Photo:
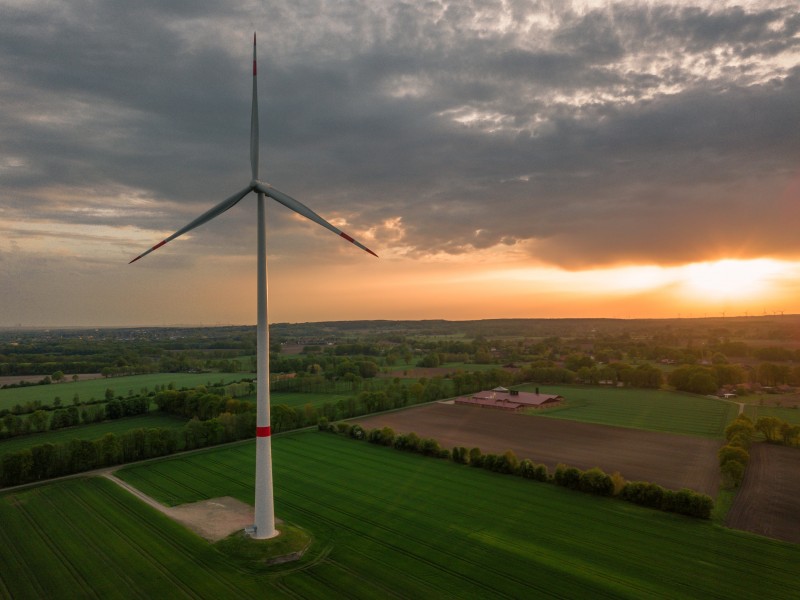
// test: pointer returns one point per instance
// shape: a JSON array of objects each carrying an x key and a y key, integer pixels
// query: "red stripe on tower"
[
  {"x": 254, "y": 54},
  {"x": 263, "y": 431}
]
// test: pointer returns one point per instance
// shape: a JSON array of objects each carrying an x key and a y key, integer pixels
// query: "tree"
[
  {"x": 770, "y": 428},
  {"x": 16, "y": 467},
  {"x": 732, "y": 473},
  {"x": 109, "y": 449},
  {"x": 57, "y": 376},
  {"x": 595, "y": 481},
  {"x": 39, "y": 420},
  {"x": 741, "y": 430},
  {"x": 729, "y": 453}
]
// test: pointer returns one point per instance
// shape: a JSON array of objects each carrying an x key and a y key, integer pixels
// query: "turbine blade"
[
  {"x": 205, "y": 217},
  {"x": 254, "y": 119},
  {"x": 302, "y": 209}
]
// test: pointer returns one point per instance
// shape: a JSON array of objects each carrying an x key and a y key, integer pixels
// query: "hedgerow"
[{"x": 592, "y": 481}]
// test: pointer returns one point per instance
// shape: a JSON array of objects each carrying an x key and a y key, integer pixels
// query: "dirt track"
[
  {"x": 769, "y": 500},
  {"x": 673, "y": 461},
  {"x": 212, "y": 519}
]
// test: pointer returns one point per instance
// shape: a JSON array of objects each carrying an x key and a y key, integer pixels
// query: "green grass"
[
  {"x": 790, "y": 415},
  {"x": 385, "y": 524},
  {"x": 91, "y": 431},
  {"x": 88, "y": 538},
  {"x": 420, "y": 527},
  {"x": 654, "y": 410},
  {"x": 96, "y": 388}
]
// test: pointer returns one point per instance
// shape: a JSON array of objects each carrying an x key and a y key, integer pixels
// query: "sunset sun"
[{"x": 730, "y": 277}]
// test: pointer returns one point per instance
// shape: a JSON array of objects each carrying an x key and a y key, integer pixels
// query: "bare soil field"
[
  {"x": 768, "y": 502},
  {"x": 672, "y": 461}
]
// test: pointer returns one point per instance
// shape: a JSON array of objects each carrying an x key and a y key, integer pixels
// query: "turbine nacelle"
[{"x": 256, "y": 185}]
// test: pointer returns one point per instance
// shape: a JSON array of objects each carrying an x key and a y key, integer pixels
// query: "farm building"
[{"x": 503, "y": 399}]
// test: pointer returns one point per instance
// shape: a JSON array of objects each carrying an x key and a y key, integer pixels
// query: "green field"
[
  {"x": 654, "y": 410},
  {"x": 790, "y": 415},
  {"x": 96, "y": 388},
  {"x": 88, "y": 538},
  {"x": 389, "y": 524},
  {"x": 91, "y": 431}
]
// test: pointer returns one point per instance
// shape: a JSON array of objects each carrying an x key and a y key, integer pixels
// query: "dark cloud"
[{"x": 643, "y": 132}]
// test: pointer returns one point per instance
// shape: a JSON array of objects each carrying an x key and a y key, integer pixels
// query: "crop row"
[{"x": 416, "y": 525}]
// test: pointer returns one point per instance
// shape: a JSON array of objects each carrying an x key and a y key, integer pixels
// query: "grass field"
[
  {"x": 654, "y": 410},
  {"x": 88, "y": 538},
  {"x": 400, "y": 525},
  {"x": 790, "y": 415},
  {"x": 91, "y": 431},
  {"x": 96, "y": 388}
]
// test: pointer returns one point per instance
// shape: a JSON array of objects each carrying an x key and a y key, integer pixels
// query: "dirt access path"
[
  {"x": 213, "y": 519},
  {"x": 672, "y": 461},
  {"x": 768, "y": 502}
]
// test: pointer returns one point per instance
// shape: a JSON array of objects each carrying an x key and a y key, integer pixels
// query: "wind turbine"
[{"x": 264, "y": 501}]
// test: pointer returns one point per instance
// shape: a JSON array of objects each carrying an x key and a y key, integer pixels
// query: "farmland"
[
  {"x": 654, "y": 410},
  {"x": 790, "y": 415},
  {"x": 673, "y": 461},
  {"x": 479, "y": 535},
  {"x": 767, "y": 501},
  {"x": 96, "y": 388}
]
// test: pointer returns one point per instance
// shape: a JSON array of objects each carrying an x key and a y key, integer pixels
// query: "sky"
[{"x": 504, "y": 159}]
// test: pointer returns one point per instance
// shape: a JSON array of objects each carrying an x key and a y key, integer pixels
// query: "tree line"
[
  {"x": 53, "y": 460},
  {"x": 41, "y": 420},
  {"x": 592, "y": 481}
]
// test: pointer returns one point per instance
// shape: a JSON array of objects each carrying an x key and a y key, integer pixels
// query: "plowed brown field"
[
  {"x": 673, "y": 461},
  {"x": 769, "y": 501}
]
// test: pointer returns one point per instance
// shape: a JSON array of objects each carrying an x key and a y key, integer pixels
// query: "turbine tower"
[{"x": 264, "y": 501}]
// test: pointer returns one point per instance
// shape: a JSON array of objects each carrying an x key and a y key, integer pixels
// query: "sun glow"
[{"x": 731, "y": 278}]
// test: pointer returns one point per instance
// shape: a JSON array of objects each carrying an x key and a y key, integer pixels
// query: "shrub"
[
  {"x": 409, "y": 442},
  {"x": 595, "y": 481},
  {"x": 322, "y": 424},
  {"x": 526, "y": 468},
  {"x": 643, "y": 493},
  {"x": 510, "y": 462},
  {"x": 732, "y": 473},
  {"x": 619, "y": 482},
  {"x": 387, "y": 436},
  {"x": 429, "y": 447},
  {"x": 344, "y": 428},
  {"x": 460, "y": 455},
  {"x": 489, "y": 461},
  {"x": 568, "y": 477},
  {"x": 741, "y": 428},
  {"x": 540, "y": 473},
  {"x": 475, "y": 457},
  {"x": 732, "y": 453}
]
